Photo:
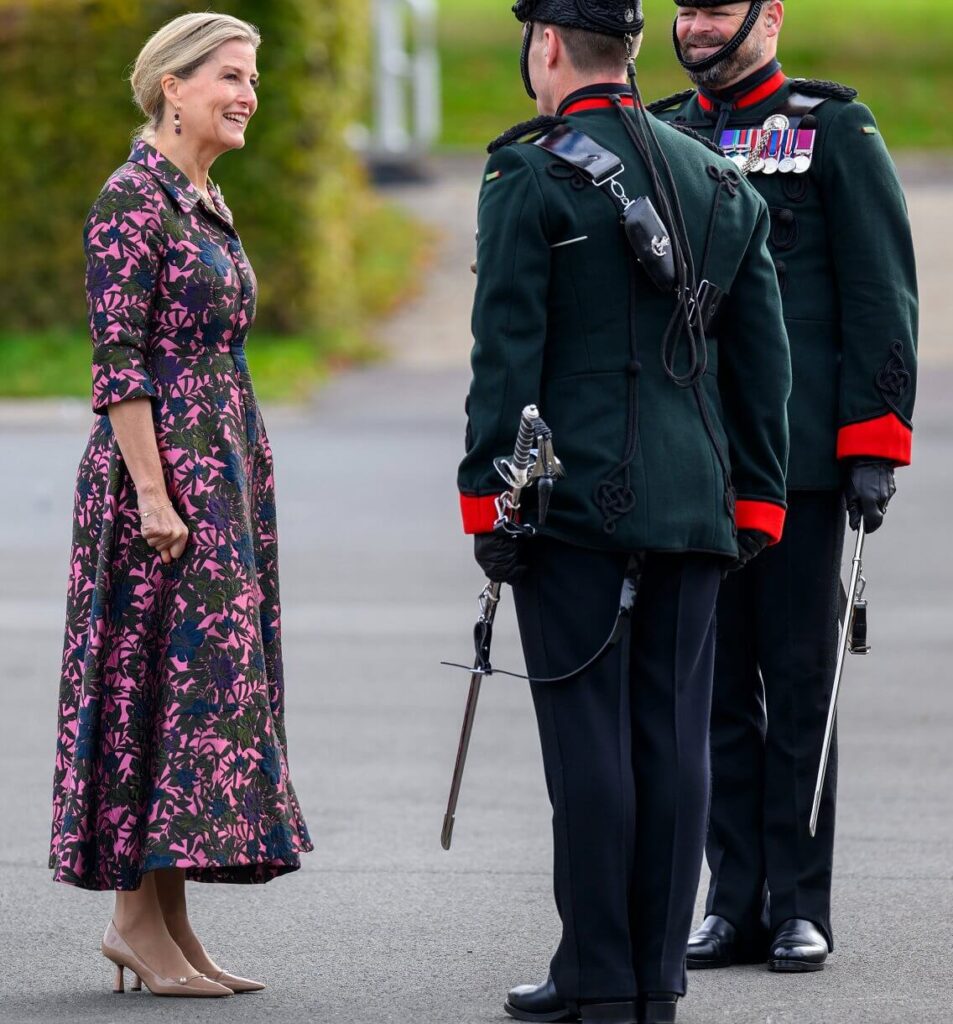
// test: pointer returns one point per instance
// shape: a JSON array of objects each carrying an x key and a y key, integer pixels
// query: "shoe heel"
[
  {"x": 137, "y": 984},
  {"x": 609, "y": 1013},
  {"x": 118, "y": 982},
  {"x": 659, "y": 1011}
]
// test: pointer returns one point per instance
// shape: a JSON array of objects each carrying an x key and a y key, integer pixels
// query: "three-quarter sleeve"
[{"x": 123, "y": 241}]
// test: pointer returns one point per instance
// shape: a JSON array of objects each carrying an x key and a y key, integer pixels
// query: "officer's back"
[{"x": 564, "y": 315}]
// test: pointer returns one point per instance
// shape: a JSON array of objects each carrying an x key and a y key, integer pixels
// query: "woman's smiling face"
[{"x": 216, "y": 103}]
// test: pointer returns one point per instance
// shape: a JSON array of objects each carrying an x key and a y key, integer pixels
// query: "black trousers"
[
  {"x": 625, "y": 752},
  {"x": 774, "y": 671}
]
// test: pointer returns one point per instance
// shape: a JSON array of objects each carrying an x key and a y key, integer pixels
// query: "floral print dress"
[{"x": 171, "y": 748}]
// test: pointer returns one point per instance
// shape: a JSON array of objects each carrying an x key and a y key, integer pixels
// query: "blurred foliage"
[
  {"x": 297, "y": 192},
  {"x": 389, "y": 252},
  {"x": 896, "y": 52}
]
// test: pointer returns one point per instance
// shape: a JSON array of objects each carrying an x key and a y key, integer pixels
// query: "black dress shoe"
[
  {"x": 798, "y": 945},
  {"x": 657, "y": 1008},
  {"x": 539, "y": 1003},
  {"x": 616, "y": 1012},
  {"x": 712, "y": 944}
]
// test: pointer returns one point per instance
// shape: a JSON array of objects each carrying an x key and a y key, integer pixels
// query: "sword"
[
  {"x": 525, "y": 467},
  {"x": 853, "y": 638}
]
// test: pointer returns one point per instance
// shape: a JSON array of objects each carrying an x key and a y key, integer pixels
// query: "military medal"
[
  {"x": 742, "y": 148},
  {"x": 732, "y": 146},
  {"x": 804, "y": 151},
  {"x": 777, "y": 123},
  {"x": 771, "y": 161},
  {"x": 787, "y": 164},
  {"x": 762, "y": 140},
  {"x": 755, "y": 162}
]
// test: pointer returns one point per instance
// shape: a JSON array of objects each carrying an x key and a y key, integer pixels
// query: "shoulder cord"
[
  {"x": 643, "y": 138},
  {"x": 640, "y": 131},
  {"x": 615, "y": 500}
]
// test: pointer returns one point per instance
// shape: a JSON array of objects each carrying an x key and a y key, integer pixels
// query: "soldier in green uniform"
[
  {"x": 840, "y": 240},
  {"x": 625, "y": 287}
]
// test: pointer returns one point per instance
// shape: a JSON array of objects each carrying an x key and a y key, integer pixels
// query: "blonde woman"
[{"x": 171, "y": 761}]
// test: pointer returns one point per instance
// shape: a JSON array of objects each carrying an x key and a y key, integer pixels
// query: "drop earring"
[{"x": 177, "y": 121}]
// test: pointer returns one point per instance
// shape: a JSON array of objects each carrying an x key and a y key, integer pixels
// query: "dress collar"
[
  {"x": 176, "y": 183},
  {"x": 749, "y": 92},
  {"x": 595, "y": 97}
]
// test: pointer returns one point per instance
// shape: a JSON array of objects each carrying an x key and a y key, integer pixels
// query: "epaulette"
[
  {"x": 525, "y": 131},
  {"x": 676, "y": 99},
  {"x": 692, "y": 134},
  {"x": 818, "y": 87}
]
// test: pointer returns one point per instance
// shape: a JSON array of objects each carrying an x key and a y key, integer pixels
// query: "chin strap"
[
  {"x": 730, "y": 48},
  {"x": 524, "y": 60}
]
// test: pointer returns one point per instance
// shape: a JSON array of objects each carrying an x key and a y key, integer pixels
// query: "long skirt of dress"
[{"x": 171, "y": 749}]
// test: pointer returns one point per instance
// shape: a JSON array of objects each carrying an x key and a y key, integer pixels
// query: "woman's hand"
[
  {"x": 164, "y": 530},
  {"x": 161, "y": 526}
]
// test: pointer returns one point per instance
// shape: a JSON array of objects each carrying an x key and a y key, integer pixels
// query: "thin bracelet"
[{"x": 152, "y": 511}]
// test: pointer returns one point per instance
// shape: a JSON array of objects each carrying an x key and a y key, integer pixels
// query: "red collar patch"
[
  {"x": 596, "y": 103},
  {"x": 750, "y": 99}
]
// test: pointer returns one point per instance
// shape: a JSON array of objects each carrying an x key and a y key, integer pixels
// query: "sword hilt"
[{"x": 525, "y": 438}]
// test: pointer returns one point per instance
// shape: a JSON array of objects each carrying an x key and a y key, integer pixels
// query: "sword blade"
[
  {"x": 469, "y": 716},
  {"x": 855, "y": 572},
  {"x": 521, "y": 463},
  {"x": 466, "y": 731}
]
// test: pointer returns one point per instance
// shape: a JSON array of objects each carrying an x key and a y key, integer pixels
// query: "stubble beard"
[{"x": 747, "y": 58}]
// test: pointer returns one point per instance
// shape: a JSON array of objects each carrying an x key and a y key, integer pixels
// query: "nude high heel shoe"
[
  {"x": 116, "y": 949},
  {"x": 236, "y": 984}
]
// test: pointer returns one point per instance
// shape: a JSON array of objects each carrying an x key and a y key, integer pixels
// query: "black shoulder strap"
[
  {"x": 577, "y": 149},
  {"x": 799, "y": 104},
  {"x": 675, "y": 100},
  {"x": 524, "y": 131},
  {"x": 692, "y": 134}
]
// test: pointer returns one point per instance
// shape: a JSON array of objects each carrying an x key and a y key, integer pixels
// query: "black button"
[
  {"x": 786, "y": 216},
  {"x": 780, "y": 266},
  {"x": 634, "y": 368}
]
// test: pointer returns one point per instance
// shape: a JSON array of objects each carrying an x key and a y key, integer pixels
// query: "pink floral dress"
[{"x": 171, "y": 749}]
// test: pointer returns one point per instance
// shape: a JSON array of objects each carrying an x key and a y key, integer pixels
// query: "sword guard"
[{"x": 512, "y": 475}]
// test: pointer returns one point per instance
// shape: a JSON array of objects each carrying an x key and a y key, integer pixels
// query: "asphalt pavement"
[{"x": 378, "y": 586}]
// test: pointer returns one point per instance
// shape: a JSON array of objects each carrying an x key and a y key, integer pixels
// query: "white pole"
[{"x": 397, "y": 130}]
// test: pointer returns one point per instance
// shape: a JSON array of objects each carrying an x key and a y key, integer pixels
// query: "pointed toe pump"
[
  {"x": 116, "y": 949},
  {"x": 238, "y": 985}
]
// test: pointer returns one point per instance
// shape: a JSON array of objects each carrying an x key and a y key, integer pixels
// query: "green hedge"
[{"x": 297, "y": 193}]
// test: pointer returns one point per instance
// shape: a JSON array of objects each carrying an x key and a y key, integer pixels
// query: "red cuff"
[
  {"x": 479, "y": 514},
  {"x": 886, "y": 437},
  {"x": 760, "y": 515}
]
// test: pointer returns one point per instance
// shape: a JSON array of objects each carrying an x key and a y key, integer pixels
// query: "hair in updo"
[{"x": 180, "y": 48}]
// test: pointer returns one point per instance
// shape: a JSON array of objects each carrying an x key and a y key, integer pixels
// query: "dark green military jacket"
[
  {"x": 841, "y": 242},
  {"x": 557, "y": 290}
]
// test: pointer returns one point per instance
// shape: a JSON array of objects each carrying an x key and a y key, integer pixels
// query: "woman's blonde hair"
[{"x": 180, "y": 48}]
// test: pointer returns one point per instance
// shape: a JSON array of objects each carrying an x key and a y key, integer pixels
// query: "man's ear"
[
  {"x": 774, "y": 17},
  {"x": 552, "y": 46}
]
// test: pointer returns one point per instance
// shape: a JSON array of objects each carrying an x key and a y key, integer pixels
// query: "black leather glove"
[
  {"x": 750, "y": 544},
  {"x": 870, "y": 486},
  {"x": 500, "y": 556}
]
